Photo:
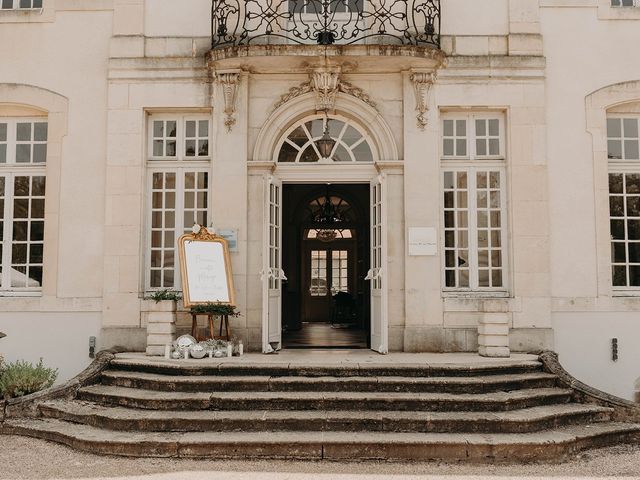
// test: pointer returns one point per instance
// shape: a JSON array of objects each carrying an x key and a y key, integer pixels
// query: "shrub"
[{"x": 22, "y": 378}]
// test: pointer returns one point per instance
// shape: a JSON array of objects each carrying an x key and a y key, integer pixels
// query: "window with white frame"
[
  {"x": 624, "y": 199},
  {"x": 20, "y": 4},
  {"x": 178, "y": 190},
  {"x": 625, "y": 3},
  {"x": 23, "y": 152},
  {"x": 474, "y": 202}
]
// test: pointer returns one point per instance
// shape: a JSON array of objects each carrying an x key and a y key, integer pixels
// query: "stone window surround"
[
  {"x": 35, "y": 101},
  {"x": 179, "y": 165},
  {"x": 598, "y": 104},
  {"x": 499, "y": 162}
]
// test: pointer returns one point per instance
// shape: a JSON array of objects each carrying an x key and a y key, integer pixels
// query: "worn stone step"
[
  {"x": 217, "y": 383},
  {"x": 518, "y": 421},
  {"x": 468, "y": 447},
  {"x": 240, "y": 367},
  {"x": 157, "y": 400}
]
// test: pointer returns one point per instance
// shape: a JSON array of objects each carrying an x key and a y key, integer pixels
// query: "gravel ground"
[{"x": 27, "y": 458}]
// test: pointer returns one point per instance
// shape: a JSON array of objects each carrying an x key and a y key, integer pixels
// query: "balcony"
[
  {"x": 253, "y": 32},
  {"x": 325, "y": 22}
]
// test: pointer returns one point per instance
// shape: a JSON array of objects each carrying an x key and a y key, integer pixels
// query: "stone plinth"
[
  {"x": 160, "y": 318},
  {"x": 493, "y": 335}
]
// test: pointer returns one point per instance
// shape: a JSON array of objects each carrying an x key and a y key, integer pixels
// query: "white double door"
[{"x": 272, "y": 273}]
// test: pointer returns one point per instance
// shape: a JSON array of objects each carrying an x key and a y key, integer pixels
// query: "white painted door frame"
[{"x": 273, "y": 275}]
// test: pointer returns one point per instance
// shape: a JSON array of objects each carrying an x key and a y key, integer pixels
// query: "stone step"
[
  {"x": 228, "y": 383},
  {"x": 157, "y": 400},
  {"x": 468, "y": 447},
  {"x": 518, "y": 421},
  {"x": 241, "y": 367}
]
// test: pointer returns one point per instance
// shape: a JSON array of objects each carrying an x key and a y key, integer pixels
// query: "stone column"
[
  {"x": 493, "y": 335},
  {"x": 161, "y": 324}
]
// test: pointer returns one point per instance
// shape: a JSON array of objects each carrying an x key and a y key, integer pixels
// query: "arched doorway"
[
  {"x": 310, "y": 152},
  {"x": 325, "y": 252}
]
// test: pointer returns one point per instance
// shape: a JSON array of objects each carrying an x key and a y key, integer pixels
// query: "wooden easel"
[{"x": 224, "y": 322}]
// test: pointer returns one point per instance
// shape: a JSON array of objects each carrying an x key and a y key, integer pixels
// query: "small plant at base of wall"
[
  {"x": 160, "y": 295},
  {"x": 23, "y": 378}
]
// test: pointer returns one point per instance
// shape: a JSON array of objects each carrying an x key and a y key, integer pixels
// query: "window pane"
[
  {"x": 619, "y": 252},
  {"x": 630, "y": 127},
  {"x": 448, "y": 128},
  {"x": 614, "y": 127},
  {"x": 191, "y": 129},
  {"x": 203, "y": 129},
  {"x": 23, "y": 132},
  {"x": 481, "y": 128},
  {"x": 40, "y": 131},
  {"x": 631, "y": 150},
  {"x": 23, "y": 153},
  {"x": 461, "y": 147},
  {"x": 616, "y": 206},
  {"x": 448, "y": 147},
  {"x": 615, "y": 183},
  {"x": 614, "y": 148},
  {"x": 158, "y": 129},
  {"x": 3, "y": 153},
  {"x": 494, "y": 127},
  {"x": 632, "y": 181},
  {"x": 3, "y": 132},
  {"x": 40, "y": 153}
]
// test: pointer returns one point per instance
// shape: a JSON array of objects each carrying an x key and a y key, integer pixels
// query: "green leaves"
[{"x": 23, "y": 378}]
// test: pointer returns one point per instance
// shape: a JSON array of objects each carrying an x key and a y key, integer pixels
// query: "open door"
[
  {"x": 272, "y": 273},
  {"x": 378, "y": 272}
]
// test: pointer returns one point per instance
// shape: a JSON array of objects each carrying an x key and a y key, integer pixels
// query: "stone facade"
[{"x": 518, "y": 59}]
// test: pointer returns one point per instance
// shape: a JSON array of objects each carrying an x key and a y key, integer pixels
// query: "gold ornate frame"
[{"x": 203, "y": 235}]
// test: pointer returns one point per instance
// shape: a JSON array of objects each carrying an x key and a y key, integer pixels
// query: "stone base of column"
[
  {"x": 493, "y": 336},
  {"x": 161, "y": 327}
]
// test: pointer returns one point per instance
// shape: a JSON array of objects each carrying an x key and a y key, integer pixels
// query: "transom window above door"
[{"x": 302, "y": 144}]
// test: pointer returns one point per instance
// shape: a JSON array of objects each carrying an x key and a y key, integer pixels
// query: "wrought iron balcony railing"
[{"x": 325, "y": 22}]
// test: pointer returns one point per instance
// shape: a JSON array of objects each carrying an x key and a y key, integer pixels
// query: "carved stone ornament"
[
  {"x": 326, "y": 83},
  {"x": 422, "y": 82},
  {"x": 229, "y": 82}
]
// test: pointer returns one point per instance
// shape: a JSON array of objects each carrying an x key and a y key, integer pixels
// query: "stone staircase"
[{"x": 492, "y": 411}]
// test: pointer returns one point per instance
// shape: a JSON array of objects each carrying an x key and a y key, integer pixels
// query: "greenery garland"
[{"x": 216, "y": 309}]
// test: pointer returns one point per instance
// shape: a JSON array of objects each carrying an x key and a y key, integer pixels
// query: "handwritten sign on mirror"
[{"x": 206, "y": 269}]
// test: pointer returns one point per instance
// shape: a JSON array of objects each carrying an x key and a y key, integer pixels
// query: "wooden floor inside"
[{"x": 323, "y": 335}]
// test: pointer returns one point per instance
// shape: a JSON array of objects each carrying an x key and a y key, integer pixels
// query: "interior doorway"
[{"x": 326, "y": 255}]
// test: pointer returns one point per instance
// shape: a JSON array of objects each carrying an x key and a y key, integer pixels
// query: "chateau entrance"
[
  {"x": 325, "y": 254},
  {"x": 324, "y": 257}
]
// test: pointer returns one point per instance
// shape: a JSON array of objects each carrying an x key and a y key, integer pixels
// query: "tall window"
[
  {"x": 23, "y": 153},
  {"x": 178, "y": 190},
  {"x": 623, "y": 144},
  {"x": 20, "y": 4},
  {"x": 474, "y": 200}
]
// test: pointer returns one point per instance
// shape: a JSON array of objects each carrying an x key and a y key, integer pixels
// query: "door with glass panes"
[{"x": 327, "y": 269}]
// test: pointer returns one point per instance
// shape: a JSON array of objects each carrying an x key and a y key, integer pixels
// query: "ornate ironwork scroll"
[{"x": 325, "y": 22}]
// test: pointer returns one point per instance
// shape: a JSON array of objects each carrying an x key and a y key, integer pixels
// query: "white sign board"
[
  {"x": 423, "y": 241},
  {"x": 206, "y": 269}
]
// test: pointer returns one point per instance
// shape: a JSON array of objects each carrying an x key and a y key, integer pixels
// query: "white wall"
[
  {"x": 60, "y": 339},
  {"x": 583, "y": 341},
  {"x": 171, "y": 18},
  {"x": 473, "y": 17}
]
